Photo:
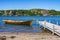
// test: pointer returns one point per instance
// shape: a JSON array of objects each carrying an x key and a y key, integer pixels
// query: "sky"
[{"x": 29, "y": 4}]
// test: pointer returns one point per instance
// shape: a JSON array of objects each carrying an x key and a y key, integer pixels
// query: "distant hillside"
[
  {"x": 31, "y": 12},
  {"x": 45, "y": 12}
]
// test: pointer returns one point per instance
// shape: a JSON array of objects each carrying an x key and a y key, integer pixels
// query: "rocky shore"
[{"x": 29, "y": 36}]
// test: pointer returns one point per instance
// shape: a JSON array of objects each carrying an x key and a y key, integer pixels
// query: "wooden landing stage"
[{"x": 54, "y": 28}]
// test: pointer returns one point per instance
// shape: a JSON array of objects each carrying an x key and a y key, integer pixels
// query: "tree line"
[{"x": 34, "y": 12}]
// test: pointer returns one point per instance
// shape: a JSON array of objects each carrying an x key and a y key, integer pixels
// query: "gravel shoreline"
[{"x": 30, "y": 36}]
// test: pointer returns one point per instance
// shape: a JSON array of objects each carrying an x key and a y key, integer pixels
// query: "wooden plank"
[{"x": 49, "y": 26}]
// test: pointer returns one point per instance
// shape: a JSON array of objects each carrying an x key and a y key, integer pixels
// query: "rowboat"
[{"x": 29, "y": 22}]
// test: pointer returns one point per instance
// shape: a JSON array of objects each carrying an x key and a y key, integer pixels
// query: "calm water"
[{"x": 19, "y": 28}]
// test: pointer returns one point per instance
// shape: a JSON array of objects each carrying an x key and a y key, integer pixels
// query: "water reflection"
[{"x": 19, "y": 28}]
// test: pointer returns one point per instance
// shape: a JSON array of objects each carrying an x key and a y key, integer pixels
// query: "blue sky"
[{"x": 29, "y": 4}]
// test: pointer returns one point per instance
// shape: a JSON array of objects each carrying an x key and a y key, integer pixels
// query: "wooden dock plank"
[{"x": 49, "y": 26}]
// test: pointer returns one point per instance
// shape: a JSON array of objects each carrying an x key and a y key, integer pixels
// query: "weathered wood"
[
  {"x": 57, "y": 23},
  {"x": 54, "y": 28},
  {"x": 13, "y": 22},
  {"x": 45, "y": 25}
]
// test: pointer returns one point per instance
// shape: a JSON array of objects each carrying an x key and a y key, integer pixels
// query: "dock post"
[
  {"x": 44, "y": 24},
  {"x": 53, "y": 30},
  {"x": 49, "y": 21},
  {"x": 57, "y": 23}
]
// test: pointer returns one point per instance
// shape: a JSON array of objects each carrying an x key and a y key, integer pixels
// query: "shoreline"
[{"x": 30, "y": 36}]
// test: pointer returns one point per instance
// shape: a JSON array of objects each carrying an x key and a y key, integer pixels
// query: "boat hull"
[{"x": 18, "y": 22}]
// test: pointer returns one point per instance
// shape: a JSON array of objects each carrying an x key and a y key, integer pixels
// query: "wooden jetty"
[{"x": 54, "y": 28}]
